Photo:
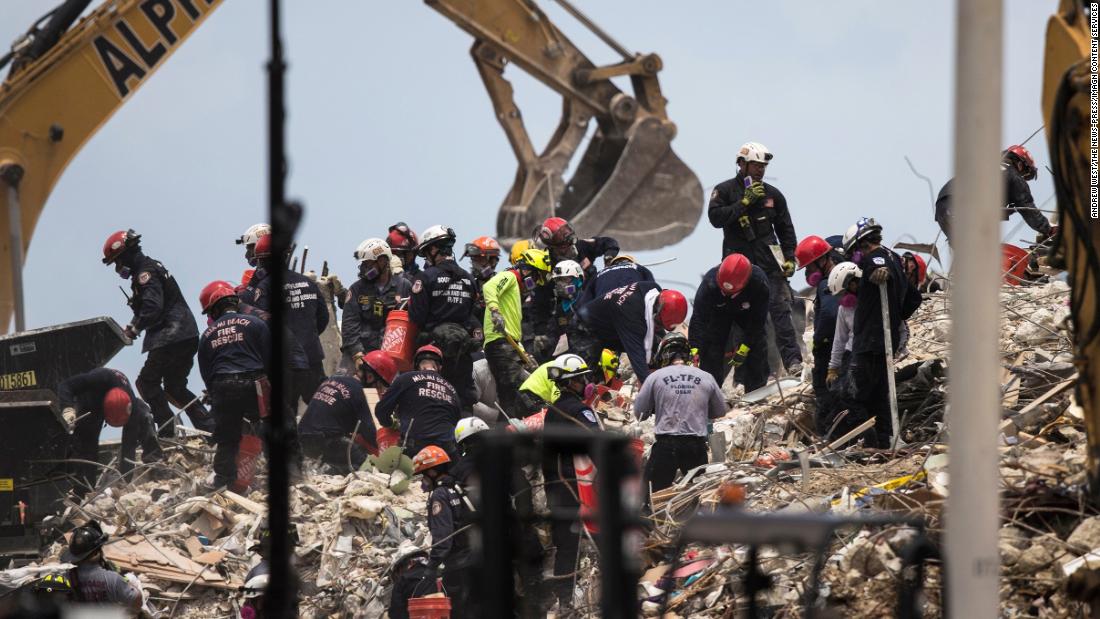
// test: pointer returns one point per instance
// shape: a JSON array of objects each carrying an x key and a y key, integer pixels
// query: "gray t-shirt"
[
  {"x": 102, "y": 586},
  {"x": 683, "y": 398}
]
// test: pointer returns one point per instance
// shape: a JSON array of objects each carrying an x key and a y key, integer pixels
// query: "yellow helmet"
[
  {"x": 518, "y": 249},
  {"x": 538, "y": 259},
  {"x": 609, "y": 363}
]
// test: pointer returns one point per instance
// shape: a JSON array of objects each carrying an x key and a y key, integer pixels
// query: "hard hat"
[
  {"x": 922, "y": 266},
  {"x": 754, "y": 151},
  {"x": 401, "y": 237},
  {"x": 674, "y": 308},
  {"x": 246, "y": 276},
  {"x": 256, "y": 586},
  {"x": 1020, "y": 153},
  {"x": 810, "y": 249},
  {"x": 54, "y": 584},
  {"x": 609, "y": 363},
  {"x": 841, "y": 275},
  {"x": 215, "y": 291},
  {"x": 429, "y": 351},
  {"x": 865, "y": 227},
  {"x": 482, "y": 246},
  {"x": 380, "y": 363},
  {"x": 566, "y": 366},
  {"x": 429, "y": 457},
  {"x": 263, "y": 247},
  {"x": 623, "y": 258},
  {"x": 567, "y": 268},
  {"x": 436, "y": 236},
  {"x": 673, "y": 344},
  {"x": 116, "y": 407},
  {"x": 372, "y": 249},
  {"x": 396, "y": 266},
  {"x": 117, "y": 243},
  {"x": 537, "y": 259},
  {"x": 556, "y": 232},
  {"x": 733, "y": 274},
  {"x": 253, "y": 234},
  {"x": 469, "y": 426},
  {"x": 521, "y": 246},
  {"x": 85, "y": 541}
]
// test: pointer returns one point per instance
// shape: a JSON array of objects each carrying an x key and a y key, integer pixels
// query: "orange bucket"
[
  {"x": 637, "y": 447},
  {"x": 429, "y": 608},
  {"x": 387, "y": 437},
  {"x": 399, "y": 339},
  {"x": 1013, "y": 264}
]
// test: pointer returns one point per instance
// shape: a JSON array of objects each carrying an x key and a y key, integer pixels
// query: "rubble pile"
[{"x": 192, "y": 551}]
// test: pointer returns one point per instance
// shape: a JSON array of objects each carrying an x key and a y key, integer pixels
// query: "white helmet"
[
  {"x": 255, "y": 587},
  {"x": 467, "y": 427},
  {"x": 566, "y": 366},
  {"x": 841, "y": 275},
  {"x": 440, "y": 236},
  {"x": 253, "y": 234},
  {"x": 567, "y": 268},
  {"x": 754, "y": 151},
  {"x": 858, "y": 231},
  {"x": 373, "y": 249}
]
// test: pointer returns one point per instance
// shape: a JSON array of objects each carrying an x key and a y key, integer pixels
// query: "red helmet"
[
  {"x": 381, "y": 364},
  {"x": 556, "y": 232},
  {"x": 263, "y": 247},
  {"x": 809, "y": 249},
  {"x": 733, "y": 274},
  {"x": 673, "y": 308},
  {"x": 430, "y": 456},
  {"x": 215, "y": 291},
  {"x": 116, "y": 407},
  {"x": 1020, "y": 153},
  {"x": 482, "y": 246},
  {"x": 427, "y": 350},
  {"x": 402, "y": 237},
  {"x": 922, "y": 266},
  {"x": 117, "y": 243},
  {"x": 246, "y": 276}
]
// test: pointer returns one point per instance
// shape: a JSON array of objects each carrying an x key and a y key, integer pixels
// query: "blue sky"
[{"x": 388, "y": 120}]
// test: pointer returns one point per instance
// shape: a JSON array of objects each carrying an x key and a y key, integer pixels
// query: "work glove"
[
  {"x": 880, "y": 275},
  {"x": 737, "y": 358},
  {"x": 753, "y": 193},
  {"x": 788, "y": 268},
  {"x": 130, "y": 332},
  {"x": 69, "y": 415},
  {"x": 497, "y": 320},
  {"x": 544, "y": 344},
  {"x": 831, "y": 376}
]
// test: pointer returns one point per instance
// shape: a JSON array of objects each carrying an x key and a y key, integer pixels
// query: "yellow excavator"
[
  {"x": 1071, "y": 135},
  {"x": 70, "y": 74}
]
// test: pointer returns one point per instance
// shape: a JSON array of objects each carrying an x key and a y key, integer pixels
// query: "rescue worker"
[
  {"x": 537, "y": 390},
  {"x": 469, "y": 445},
  {"x": 1017, "y": 169},
  {"x": 337, "y": 426},
  {"x": 484, "y": 255},
  {"x": 171, "y": 334},
  {"x": 403, "y": 242},
  {"x": 233, "y": 359},
  {"x": 102, "y": 395},
  {"x": 94, "y": 580},
  {"x": 732, "y": 294},
  {"x": 608, "y": 379},
  {"x": 412, "y": 577},
  {"x": 916, "y": 271},
  {"x": 503, "y": 324},
  {"x": 568, "y": 280},
  {"x": 879, "y": 265},
  {"x": 557, "y": 235},
  {"x": 844, "y": 285},
  {"x": 449, "y": 510},
  {"x": 756, "y": 223},
  {"x": 622, "y": 270},
  {"x": 570, "y": 373},
  {"x": 248, "y": 239},
  {"x": 441, "y": 305},
  {"x": 422, "y": 404},
  {"x": 370, "y": 299},
  {"x": 818, "y": 257},
  {"x": 684, "y": 399},
  {"x": 627, "y": 319},
  {"x": 306, "y": 316}
]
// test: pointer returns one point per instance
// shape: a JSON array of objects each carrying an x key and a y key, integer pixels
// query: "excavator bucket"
[{"x": 637, "y": 191}]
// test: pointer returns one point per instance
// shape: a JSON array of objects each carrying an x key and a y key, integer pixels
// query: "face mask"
[
  {"x": 813, "y": 279},
  {"x": 848, "y": 300},
  {"x": 564, "y": 252},
  {"x": 589, "y": 391},
  {"x": 371, "y": 273},
  {"x": 857, "y": 256},
  {"x": 124, "y": 272},
  {"x": 486, "y": 272},
  {"x": 529, "y": 283},
  {"x": 565, "y": 290}
]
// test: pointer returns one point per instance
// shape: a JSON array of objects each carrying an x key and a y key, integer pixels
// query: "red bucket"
[
  {"x": 429, "y": 608},
  {"x": 1013, "y": 264},
  {"x": 387, "y": 437},
  {"x": 637, "y": 447},
  {"x": 247, "y": 453},
  {"x": 399, "y": 339}
]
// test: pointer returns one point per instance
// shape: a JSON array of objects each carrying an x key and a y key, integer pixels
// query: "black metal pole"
[{"x": 282, "y": 590}]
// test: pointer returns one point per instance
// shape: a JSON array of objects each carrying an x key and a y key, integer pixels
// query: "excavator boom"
[{"x": 57, "y": 97}]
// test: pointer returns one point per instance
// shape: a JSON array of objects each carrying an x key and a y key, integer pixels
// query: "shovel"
[{"x": 886, "y": 336}]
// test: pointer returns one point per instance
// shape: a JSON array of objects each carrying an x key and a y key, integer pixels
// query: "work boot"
[{"x": 795, "y": 369}]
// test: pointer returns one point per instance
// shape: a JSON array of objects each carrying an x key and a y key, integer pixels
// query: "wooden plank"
[
  {"x": 1021, "y": 418},
  {"x": 245, "y": 503}
]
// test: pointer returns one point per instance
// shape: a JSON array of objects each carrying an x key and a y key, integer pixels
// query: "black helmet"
[
  {"x": 673, "y": 345},
  {"x": 85, "y": 541},
  {"x": 54, "y": 584}
]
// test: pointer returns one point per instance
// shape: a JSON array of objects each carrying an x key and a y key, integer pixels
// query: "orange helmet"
[
  {"x": 482, "y": 246},
  {"x": 116, "y": 407},
  {"x": 429, "y": 457}
]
